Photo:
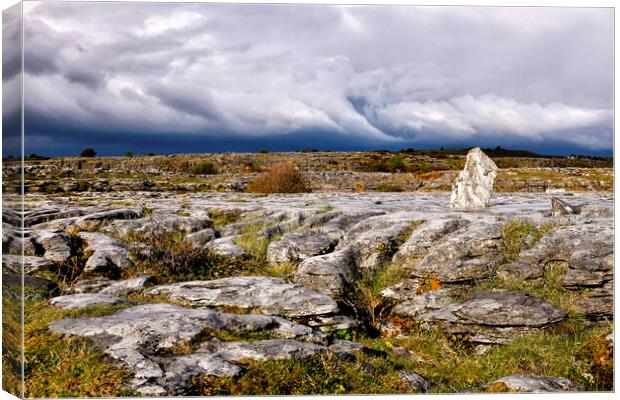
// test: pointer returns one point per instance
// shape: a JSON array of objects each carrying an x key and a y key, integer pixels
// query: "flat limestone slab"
[
  {"x": 81, "y": 300},
  {"x": 271, "y": 295}
]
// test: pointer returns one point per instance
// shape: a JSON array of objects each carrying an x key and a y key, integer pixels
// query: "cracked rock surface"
[
  {"x": 137, "y": 336},
  {"x": 270, "y": 295},
  {"x": 306, "y": 259}
]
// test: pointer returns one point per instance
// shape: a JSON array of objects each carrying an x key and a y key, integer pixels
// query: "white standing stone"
[{"x": 473, "y": 187}]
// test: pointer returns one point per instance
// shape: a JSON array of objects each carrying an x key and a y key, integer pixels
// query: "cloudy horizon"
[{"x": 168, "y": 78}]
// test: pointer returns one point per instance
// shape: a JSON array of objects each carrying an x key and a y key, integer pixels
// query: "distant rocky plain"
[{"x": 298, "y": 262}]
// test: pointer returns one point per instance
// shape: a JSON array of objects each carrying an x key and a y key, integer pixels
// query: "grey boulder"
[
  {"x": 109, "y": 256},
  {"x": 56, "y": 245},
  {"x": 329, "y": 274},
  {"x": 201, "y": 238}
]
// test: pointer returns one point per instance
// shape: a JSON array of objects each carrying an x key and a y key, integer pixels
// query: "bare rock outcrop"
[
  {"x": 496, "y": 316},
  {"x": 328, "y": 273},
  {"x": 300, "y": 245},
  {"x": 109, "y": 256}
]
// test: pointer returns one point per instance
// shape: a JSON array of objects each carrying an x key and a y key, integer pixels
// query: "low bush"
[
  {"x": 281, "y": 178},
  {"x": 430, "y": 176},
  {"x": 168, "y": 257},
  {"x": 203, "y": 168},
  {"x": 396, "y": 163},
  {"x": 387, "y": 187},
  {"x": 88, "y": 152},
  {"x": 164, "y": 255}
]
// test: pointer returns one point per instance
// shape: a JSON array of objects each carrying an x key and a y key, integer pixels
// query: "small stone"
[
  {"x": 560, "y": 207},
  {"x": 274, "y": 349},
  {"x": 226, "y": 247},
  {"x": 610, "y": 339},
  {"x": 517, "y": 271},
  {"x": 56, "y": 245},
  {"x": 340, "y": 346},
  {"x": 482, "y": 349},
  {"x": 95, "y": 221},
  {"x": 420, "y": 304},
  {"x": 201, "y": 238},
  {"x": 508, "y": 308},
  {"x": 419, "y": 384},
  {"x": 92, "y": 285}
]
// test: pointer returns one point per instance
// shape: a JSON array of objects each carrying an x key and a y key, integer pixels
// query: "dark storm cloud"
[
  {"x": 366, "y": 74},
  {"x": 11, "y": 49},
  {"x": 11, "y": 81}
]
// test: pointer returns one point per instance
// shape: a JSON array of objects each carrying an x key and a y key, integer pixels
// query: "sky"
[{"x": 168, "y": 78}]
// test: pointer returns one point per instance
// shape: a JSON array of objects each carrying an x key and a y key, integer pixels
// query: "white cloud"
[
  {"x": 383, "y": 73},
  {"x": 467, "y": 117}
]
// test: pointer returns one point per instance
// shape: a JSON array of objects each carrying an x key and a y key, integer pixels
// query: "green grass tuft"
[
  {"x": 514, "y": 234},
  {"x": 319, "y": 374},
  {"x": 57, "y": 366}
]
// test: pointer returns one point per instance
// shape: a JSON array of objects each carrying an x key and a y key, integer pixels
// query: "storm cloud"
[{"x": 362, "y": 76}]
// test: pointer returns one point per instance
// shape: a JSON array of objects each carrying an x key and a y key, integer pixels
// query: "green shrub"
[
  {"x": 396, "y": 163},
  {"x": 223, "y": 217},
  {"x": 203, "y": 168},
  {"x": 387, "y": 187},
  {"x": 513, "y": 236},
  {"x": 170, "y": 258}
]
